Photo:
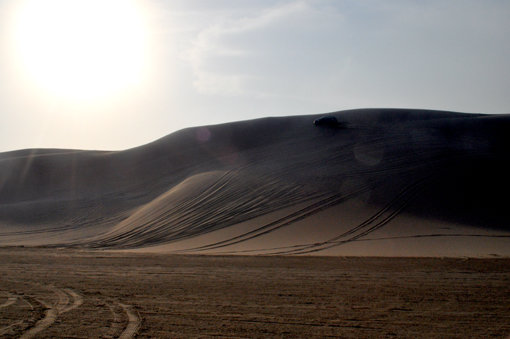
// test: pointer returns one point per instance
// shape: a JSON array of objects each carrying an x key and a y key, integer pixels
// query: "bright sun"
[{"x": 81, "y": 49}]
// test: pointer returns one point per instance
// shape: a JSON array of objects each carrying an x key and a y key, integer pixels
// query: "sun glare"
[{"x": 81, "y": 49}]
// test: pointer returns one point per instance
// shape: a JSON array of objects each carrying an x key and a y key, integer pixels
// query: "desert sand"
[
  {"x": 49, "y": 293},
  {"x": 387, "y": 182},
  {"x": 392, "y": 224}
]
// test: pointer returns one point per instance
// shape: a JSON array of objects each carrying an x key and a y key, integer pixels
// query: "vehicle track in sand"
[
  {"x": 375, "y": 222},
  {"x": 378, "y": 220},
  {"x": 120, "y": 313},
  {"x": 77, "y": 300},
  {"x": 11, "y": 299},
  {"x": 125, "y": 321},
  {"x": 7, "y": 328},
  {"x": 16, "y": 302},
  {"x": 287, "y": 220},
  {"x": 116, "y": 323},
  {"x": 256, "y": 296},
  {"x": 397, "y": 203},
  {"x": 226, "y": 201},
  {"x": 63, "y": 305},
  {"x": 49, "y": 318},
  {"x": 134, "y": 322}
]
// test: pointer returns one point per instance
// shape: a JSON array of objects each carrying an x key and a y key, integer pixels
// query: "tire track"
[
  {"x": 62, "y": 306},
  {"x": 26, "y": 301},
  {"x": 380, "y": 218},
  {"x": 11, "y": 299},
  {"x": 16, "y": 326},
  {"x": 227, "y": 197},
  {"x": 5, "y": 329},
  {"x": 77, "y": 300},
  {"x": 284, "y": 221},
  {"x": 305, "y": 213},
  {"x": 63, "y": 299},
  {"x": 134, "y": 322},
  {"x": 49, "y": 318},
  {"x": 436, "y": 235},
  {"x": 116, "y": 325}
]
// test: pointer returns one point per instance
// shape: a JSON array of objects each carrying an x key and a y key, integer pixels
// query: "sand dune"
[{"x": 388, "y": 182}]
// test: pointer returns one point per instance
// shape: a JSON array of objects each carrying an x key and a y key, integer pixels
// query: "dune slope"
[{"x": 385, "y": 182}]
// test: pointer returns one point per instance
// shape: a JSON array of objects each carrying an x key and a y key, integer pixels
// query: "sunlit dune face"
[{"x": 81, "y": 49}]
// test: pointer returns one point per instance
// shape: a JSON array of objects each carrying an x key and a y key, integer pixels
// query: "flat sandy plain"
[{"x": 47, "y": 293}]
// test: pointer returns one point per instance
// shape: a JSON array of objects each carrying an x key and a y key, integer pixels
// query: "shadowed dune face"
[{"x": 384, "y": 180}]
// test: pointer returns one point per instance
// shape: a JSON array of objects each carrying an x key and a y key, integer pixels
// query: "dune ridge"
[{"x": 387, "y": 182}]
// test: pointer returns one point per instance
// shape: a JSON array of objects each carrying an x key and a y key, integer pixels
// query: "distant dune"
[{"x": 385, "y": 182}]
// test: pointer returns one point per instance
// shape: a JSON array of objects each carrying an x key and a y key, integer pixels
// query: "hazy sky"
[{"x": 100, "y": 75}]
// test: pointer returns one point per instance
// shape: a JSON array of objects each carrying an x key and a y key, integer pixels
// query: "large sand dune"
[{"x": 388, "y": 182}]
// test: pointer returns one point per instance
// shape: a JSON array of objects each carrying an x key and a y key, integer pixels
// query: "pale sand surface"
[
  {"x": 80, "y": 294},
  {"x": 387, "y": 183}
]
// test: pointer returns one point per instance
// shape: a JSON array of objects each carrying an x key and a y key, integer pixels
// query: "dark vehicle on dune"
[{"x": 327, "y": 121}]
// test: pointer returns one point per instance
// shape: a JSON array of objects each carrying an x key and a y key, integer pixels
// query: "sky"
[{"x": 115, "y": 74}]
